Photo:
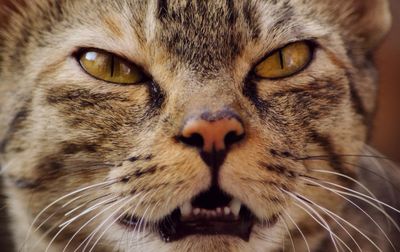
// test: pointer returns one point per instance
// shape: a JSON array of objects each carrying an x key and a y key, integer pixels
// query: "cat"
[{"x": 131, "y": 125}]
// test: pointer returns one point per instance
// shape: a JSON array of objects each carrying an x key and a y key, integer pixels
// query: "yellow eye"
[
  {"x": 109, "y": 67},
  {"x": 286, "y": 61}
]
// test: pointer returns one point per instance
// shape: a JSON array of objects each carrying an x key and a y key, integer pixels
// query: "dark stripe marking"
[
  {"x": 23, "y": 40},
  {"x": 133, "y": 159},
  {"x": 27, "y": 183},
  {"x": 232, "y": 14},
  {"x": 251, "y": 17},
  {"x": 357, "y": 102},
  {"x": 82, "y": 96},
  {"x": 73, "y": 148},
  {"x": 157, "y": 98},
  {"x": 14, "y": 126},
  {"x": 279, "y": 169},
  {"x": 335, "y": 160},
  {"x": 162, "y": 9},
  {"x": 148, "y": 171},
  {"x": 137, "y": 158},
  {"x": 250, "y": 90}
]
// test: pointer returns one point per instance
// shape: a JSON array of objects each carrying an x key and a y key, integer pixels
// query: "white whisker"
[
  {"x": 379, "y": 166},
  {"x": 45, "y": 234},
  {"x": 84, "y": 204},
  {"x": 88, "y": 210},
  {"x": 46, "y": 220},
  {"x": 90, "y": 220},
  {"x": 62, "y": 227},
  {"x": 336, "y": 221},
  {"x": 363, "y": 195},
  {"x": 74, "y": 199},
  {"x": 322, "y": 222},
  {"x": 105, "y": 230},
  {"x": 56, "y": 202},
  {"x": 298, "y": 228},
  {"x": 133, "y": 213},
  {"x": 369, "y": 217},
  {"x": 347, "y": 222},
  {"x": 93, "y": 233},
  {"x": 358, "y": 196},
  {"x": 288, "y": 231},
  {"x": 74, "y": 210},
  {"x": 150, "y": 216},
  {"x": 62, "y": 198},
  {"x": 349, "y": 178}
]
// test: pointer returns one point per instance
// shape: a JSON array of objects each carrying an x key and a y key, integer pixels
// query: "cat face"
[{"x": 122, "y": 99}]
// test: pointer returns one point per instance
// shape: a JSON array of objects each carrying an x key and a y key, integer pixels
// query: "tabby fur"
[{"x": 62, "y": 130}]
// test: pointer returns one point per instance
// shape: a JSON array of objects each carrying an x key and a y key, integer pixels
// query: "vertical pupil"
[
  {"x": 112, "y": 66},
  {"x": 281, "y": 58}
]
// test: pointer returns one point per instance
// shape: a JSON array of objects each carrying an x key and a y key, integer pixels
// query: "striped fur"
[{"x": 61, "y": 130}]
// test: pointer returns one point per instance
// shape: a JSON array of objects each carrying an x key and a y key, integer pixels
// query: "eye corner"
[
  {"x": 313, "y": 46},
  {"x": 310, "y": 42}
]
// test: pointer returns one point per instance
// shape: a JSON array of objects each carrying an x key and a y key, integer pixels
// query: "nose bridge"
[{"x": 212, "y": 95}]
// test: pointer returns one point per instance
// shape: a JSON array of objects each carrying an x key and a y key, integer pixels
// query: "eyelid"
[{"x": 81, "y": 50}]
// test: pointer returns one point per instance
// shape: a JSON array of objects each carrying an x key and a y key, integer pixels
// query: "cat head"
[{"x": 184, "y": 124}]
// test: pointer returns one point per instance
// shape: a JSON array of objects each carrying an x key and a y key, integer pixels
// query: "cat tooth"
[
  {"x": 219, "y": 211},
  {"x": 235, "y": 206},
  {"x": 186, "y": 209},
  {"x": 213, "y": 213},
  {"x": 196, "y": 211},
  {"x": 227, "y": 210}
]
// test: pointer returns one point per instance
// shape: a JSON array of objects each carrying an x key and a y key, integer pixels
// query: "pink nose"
[{"x": 213, "y": 134}]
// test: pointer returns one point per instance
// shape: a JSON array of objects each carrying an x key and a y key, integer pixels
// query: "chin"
[{"x": 259, "y": 240}]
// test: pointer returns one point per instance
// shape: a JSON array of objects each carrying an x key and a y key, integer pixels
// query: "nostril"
[
  {"x": 231, "y": 138},
  {"x": 195, "y": 140},
  {"x": 216, "y": 133}
]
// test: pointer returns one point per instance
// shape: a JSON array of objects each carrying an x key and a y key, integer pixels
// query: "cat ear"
[{"x": 369, "y": 21}]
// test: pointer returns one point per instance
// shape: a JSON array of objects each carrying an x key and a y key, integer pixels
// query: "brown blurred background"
[{"x": 386, "y": 134}]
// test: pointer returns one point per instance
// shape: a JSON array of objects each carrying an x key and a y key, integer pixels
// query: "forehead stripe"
[{"x": 162, "y": 9}]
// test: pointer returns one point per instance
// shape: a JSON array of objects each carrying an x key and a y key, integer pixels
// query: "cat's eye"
[
  {"x": 109, "y": 67},
  {"x": 286, "y": 61}
]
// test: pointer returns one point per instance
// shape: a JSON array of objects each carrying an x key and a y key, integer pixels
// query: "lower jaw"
[
  {"x": 242, "y": 231},
  {"x": 177, "y": 230},
  {"x": 207, "y": 230}
]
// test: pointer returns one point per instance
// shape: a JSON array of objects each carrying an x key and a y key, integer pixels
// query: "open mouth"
[{"x": 210, "y": 213}]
